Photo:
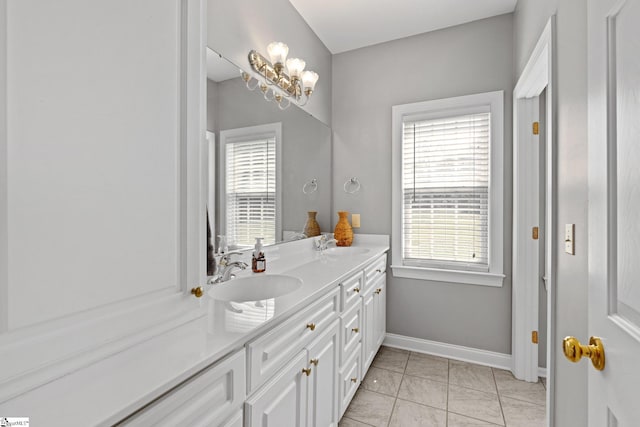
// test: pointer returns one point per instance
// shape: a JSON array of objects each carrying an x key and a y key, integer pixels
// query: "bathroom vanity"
[
  {"x": 308, "y": 354},
  {"x": 247, "y": 358}
]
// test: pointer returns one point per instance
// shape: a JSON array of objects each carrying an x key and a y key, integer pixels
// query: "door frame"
[{"x": 537, "y": 76}]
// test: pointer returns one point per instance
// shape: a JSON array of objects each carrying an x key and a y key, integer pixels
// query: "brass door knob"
[
  {"x": 306, "y": 371},
  {"x": 314, "y": 362},
  {"x": 198, "y": 292},
  {"x": 356, "y": 290},
  {"x": 574, "y": 351},
  {"x": 311, "y": 326},
  {"x": 354, "y": 380},
  {"x": 356, "y": 330},
  {"x": 378, "y": 291}
]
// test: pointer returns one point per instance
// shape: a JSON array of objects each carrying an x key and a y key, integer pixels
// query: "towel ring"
[
  {"x": 310, "y": 186},
  {"x": 352, "y": 185}
]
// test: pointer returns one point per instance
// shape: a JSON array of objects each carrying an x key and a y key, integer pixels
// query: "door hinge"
[
  {"x": 536, "y": 128},
  {"x": 534, "y": 337},
  {"x": 534, "y": 233}
]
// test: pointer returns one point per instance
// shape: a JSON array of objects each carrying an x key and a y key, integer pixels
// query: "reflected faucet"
[
  {"x": 226, "y": 267},
  {"x": 322, "y": 242}
]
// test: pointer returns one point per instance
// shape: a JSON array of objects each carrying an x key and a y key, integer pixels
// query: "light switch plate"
[
  {"x": 569, "y": 239},
  {"x": 355, "y": 220}
]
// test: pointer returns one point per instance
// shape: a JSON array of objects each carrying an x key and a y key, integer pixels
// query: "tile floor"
[{"x": 411, "y": 389}]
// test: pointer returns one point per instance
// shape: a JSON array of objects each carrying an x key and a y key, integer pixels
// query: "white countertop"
[{"x": 107, "y": 391}]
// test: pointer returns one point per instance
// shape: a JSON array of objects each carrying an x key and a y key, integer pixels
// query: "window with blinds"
[
  {"x": 250, "y": 190},
  {"x": 445, "y": 191}
]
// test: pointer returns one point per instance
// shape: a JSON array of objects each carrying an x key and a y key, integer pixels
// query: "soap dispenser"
[
  {"x": 258, "y": 261},
  {"x": 223, "y": 248}
]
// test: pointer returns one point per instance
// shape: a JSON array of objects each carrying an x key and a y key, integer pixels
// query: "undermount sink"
[
  {"x": 255, "y": 288},
  {"x": 346, "y": 250}
]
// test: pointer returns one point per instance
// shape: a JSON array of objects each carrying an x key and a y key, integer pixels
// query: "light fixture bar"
[{"x": 262, "y": 66}]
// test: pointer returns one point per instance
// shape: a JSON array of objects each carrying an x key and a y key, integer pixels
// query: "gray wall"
[
  {"x": 212, "y": 107},
  {"x": 306, "y": 149},
  {"x": 466, "y": 59},
  {"x": 571, "y": 101},
  {"x": 235, "y": 27}
]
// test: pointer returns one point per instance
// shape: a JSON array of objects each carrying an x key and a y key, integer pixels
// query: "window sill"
[{"x": 452, "y": 276}]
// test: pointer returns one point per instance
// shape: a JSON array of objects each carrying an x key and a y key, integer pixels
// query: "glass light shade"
[
  {"x": 295, "y": 67},
  {"x": 278, "y": 52},
  {"x": 309, "y": 79}
]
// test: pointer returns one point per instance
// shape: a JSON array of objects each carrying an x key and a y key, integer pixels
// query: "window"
[
  {"x": 250, "y": 185},
  {"x": 447, "y": 190}
]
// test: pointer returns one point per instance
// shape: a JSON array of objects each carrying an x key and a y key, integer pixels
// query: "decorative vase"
[
  {"x": 312, "y": 228},
  {"x": 343, "y": 232}
]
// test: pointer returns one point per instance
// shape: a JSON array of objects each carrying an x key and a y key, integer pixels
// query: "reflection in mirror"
[
  {"x": 261, "y": 159},
  {"x": 250, "y": 184}
]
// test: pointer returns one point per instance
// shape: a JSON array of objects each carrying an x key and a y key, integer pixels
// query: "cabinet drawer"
[
  {"x": 374, "y": 270},
  {"x": 271, "y": 351},
  {"x": 351, "y": 288},
  {"x": 206, "y": 399},
  {"x": 349, "y": 380},
  {"x": 351, "y": 331}
]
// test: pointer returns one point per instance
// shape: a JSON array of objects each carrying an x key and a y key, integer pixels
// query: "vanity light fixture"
[{"x": 284, "y": 80}]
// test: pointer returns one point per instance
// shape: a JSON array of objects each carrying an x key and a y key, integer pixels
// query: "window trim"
[
  {"x": 443, "y": 108},
  {"x": 246, "y": 134}
]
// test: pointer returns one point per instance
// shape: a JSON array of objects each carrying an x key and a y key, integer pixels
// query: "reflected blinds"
[
  {"x": 251, "y": 191},
  {"x": 445, "y": 183}
]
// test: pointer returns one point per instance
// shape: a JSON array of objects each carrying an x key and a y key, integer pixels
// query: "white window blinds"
[
  {"x": 445, "y": 186},
  {"x": 250, "y": 190}
]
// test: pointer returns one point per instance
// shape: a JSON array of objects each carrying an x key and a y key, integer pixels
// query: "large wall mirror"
[{"x": 268, "y": 167}]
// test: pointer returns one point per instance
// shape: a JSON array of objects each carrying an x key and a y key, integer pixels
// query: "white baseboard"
[
  {"x": 450, "y": 351},
  {"x": 456, "y": 352}
]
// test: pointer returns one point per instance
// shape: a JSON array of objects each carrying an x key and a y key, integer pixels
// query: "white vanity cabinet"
[
  {"x": 211, "y": 398},
  {"x": 305, "y": 371},
  {"x": 373, "y": 311},
  {"x": 305, "y": 391}
]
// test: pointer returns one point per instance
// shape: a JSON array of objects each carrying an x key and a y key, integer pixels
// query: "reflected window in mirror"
[{"x": 250, "y": 186}]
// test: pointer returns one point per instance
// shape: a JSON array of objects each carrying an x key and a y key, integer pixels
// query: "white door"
[
  {"x": 282, "y": 402},
  {"x": 323, "y": 382},
  {"x": 369, "y": 331},
  {"x": 380, "y": 311},
  {"x": 614, "y": 205}
]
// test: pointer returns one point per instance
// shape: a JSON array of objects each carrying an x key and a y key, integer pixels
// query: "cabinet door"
[
  {"x": 380, "y": 311},
  {"x": 369, "y": 330},
  {"x": 282, "y": 402},
  {"x": 323, "y": 385},
  {"x": 350, "y": 378}
]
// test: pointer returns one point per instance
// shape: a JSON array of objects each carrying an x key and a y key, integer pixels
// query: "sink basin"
[
  {"x": 346, "y": 251},
  {"x": 255, "y": 288}
]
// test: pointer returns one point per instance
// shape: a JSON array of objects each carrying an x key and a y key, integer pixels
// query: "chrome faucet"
[
  {"x": 322, "y": 242},
  {"x": 226, "y": 267}
]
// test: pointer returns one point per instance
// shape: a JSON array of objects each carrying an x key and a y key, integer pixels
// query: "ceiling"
[
  {"x": 351, "y": 24},
  {"x": 219, "y": 69}
]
